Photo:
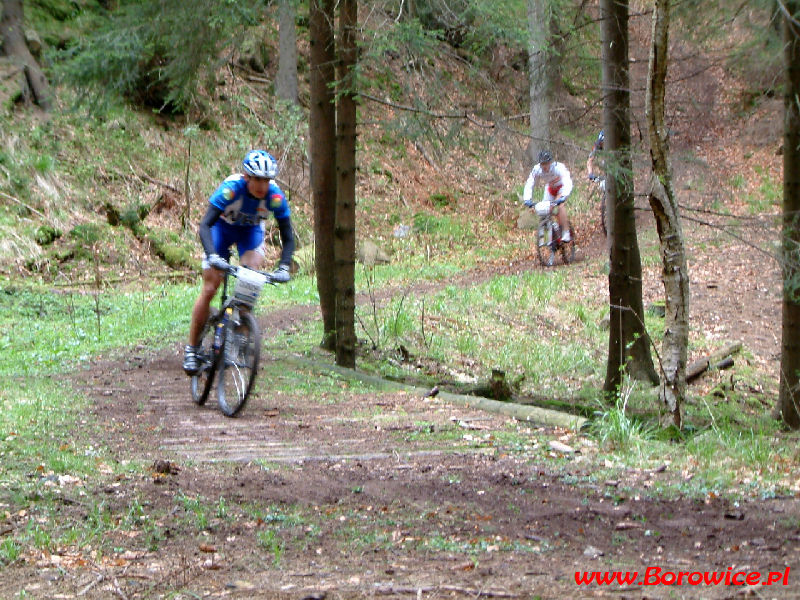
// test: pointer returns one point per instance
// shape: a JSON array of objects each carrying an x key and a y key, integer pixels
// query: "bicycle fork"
[
  {"x": 219, "y": 331},
  {"x": 545, "y": 234}
]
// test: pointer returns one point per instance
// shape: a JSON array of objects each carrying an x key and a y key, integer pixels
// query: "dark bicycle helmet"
[
  {"x": 259, "y": 163},
  {"x": 545, "y": 156}
]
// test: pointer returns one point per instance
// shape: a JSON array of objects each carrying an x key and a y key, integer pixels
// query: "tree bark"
[
  {"x": 12, "y": 34},
  {"x": 407, "y": 11},
  {"x": 322, "y": 133},
  {"x": 345, "y": 230},
  {"x": 286, "y": 80},
  {"x": 789, "y": 394},
  {"x": 539, "y": 28},
  {"x": 668, "y": 224},
  {"x": 628, "y": 348}
]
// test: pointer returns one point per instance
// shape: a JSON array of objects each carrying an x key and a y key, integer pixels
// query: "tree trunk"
[
  {"x": 407, "y": 11},
  {"x": 538, "y": 27},
  {"x": 628, "y": 348},
  {"x": 789, "y": 395},
  {"x": 345, "y": 230},
  {"x": 665, "y": 209},
  {"x": 322, "y": 131},
  {"x": 12, "y": 35},
  {"x": 286, "y": 80}
]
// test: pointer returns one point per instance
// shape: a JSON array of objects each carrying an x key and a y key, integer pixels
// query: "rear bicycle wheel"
[
  {"x": 203, "y": 380},
  {"x": 239, "y": 364},
  {"x": 545, "y": 250},
  {"x": 603, "y": 211}
]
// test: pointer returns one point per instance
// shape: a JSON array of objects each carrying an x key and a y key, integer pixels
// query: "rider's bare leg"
[
  {"x": 563, "y": 221},
  {"x": 211, "y": 279},
  {"x": 252, "y": 259}
]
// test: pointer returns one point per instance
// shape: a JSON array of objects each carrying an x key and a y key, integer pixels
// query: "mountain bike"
[
  {"x": 599, "y": 189},
  {"x": 548, "y": 236},
  {"x": 230, "y": 343}
]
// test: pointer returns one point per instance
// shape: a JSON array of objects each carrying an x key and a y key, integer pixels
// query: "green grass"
[
  {"x": 619, "y": 431},
  {"x": 530, "y": 325},
  {"x": 270, "y": 541},
  {"x": 45, "y": 331},
  {"x": 325, "y": 388},
  {"x": 39, "y": 421},
  {"x": 516, "y": 323},
  {"x": 478, "y": 546},
  {"x": 769, "y": 196}
]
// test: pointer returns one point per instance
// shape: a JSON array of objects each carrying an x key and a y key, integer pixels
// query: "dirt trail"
[{"x": 391, "y": 504}]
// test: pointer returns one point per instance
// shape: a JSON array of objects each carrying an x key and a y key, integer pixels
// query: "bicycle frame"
[
  {"x": 548, "y": 236},
  {"x": 246, "y": 291}
]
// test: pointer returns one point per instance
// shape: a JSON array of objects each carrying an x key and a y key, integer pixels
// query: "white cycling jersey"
[{"x": 557, "y": 181}]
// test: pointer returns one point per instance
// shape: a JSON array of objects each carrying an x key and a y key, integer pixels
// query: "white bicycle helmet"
[{"x": 259, "y": 163}]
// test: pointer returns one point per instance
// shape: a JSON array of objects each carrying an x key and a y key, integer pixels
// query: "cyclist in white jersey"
[{"x": 557, "y": 187}]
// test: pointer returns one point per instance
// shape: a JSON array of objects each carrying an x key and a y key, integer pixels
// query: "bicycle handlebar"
[{"x": 233, "y": 270}]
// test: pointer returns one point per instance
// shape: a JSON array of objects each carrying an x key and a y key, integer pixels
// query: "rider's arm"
[
  {"x": 204, "y": 231},
  {"x": 527, "y": 193},
  {"x": 287, "y": 240}
]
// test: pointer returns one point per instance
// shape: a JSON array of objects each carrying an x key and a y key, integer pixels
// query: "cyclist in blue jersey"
[
  {"x": 235, "y": 215},
  {"x": 591, "y": 168}
]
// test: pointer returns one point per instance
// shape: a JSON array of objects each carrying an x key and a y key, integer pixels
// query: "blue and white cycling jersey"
[{"x": 239, "y": 207}]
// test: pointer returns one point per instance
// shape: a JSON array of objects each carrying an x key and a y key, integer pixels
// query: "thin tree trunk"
[
  {"x": 322, "y": 131},
  {"x": 628, "y": 348},
  {"x": 286, "y": 80},
  {"x": 407, "y": 11},
  {"x": 668, "y": 224},
  {"x": 14, "y": 46},
  {"x": 789, "y": 395},
  {"x": 345, "y": 231},
  {"x": 538, "y": 29}
]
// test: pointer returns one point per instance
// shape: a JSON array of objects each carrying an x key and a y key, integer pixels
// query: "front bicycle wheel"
[
  {"x": 237, "y": 371},
  {"x": 207, "y": 357},
  {"x": 545, "y": 250}
]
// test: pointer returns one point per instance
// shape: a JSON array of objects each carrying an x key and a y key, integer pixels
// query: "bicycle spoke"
[
  {"x": 202, "y": 382},
  {"x": 238, "y": 371}
]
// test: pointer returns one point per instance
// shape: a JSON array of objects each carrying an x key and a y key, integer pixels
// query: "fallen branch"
[
  {"x": 78, "y": 285},
  {"x": 145, "y": 177},
  {"x": 100, "y": 578},
  {"x": 21, "y": 203},
  {"x": 721, "y": 359},
  {"x": 157, "y": 182},
  {"x": 520, "y": 412}
]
